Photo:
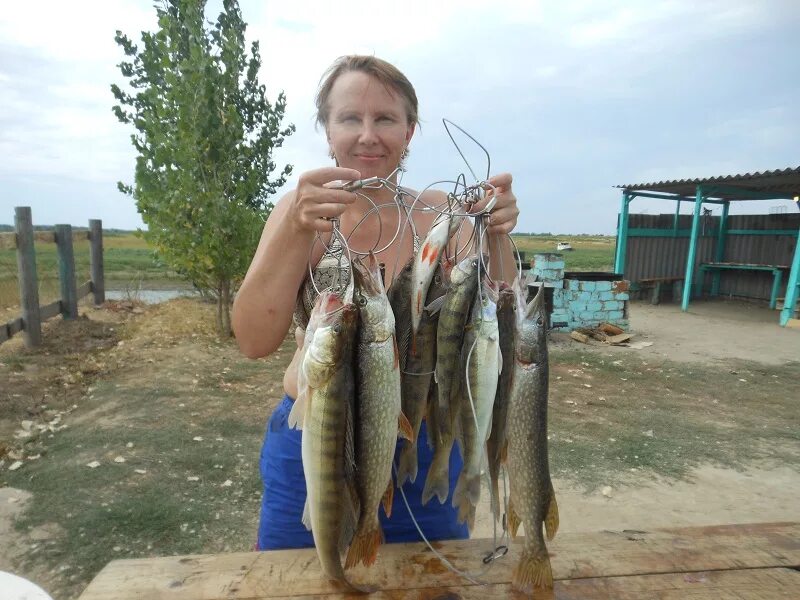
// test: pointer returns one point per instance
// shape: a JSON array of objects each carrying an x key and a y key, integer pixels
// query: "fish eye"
[
  {"x": 437, "y": 279},
  {"x": 362, "y": 301},
  {"x": 337, "y": 328},
  {"x": 540, "y": 321}
]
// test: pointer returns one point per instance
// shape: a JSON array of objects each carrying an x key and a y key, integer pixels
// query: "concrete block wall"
[
  {"x": 578, "y": 303},
  {"x": 589, "y": 303}
]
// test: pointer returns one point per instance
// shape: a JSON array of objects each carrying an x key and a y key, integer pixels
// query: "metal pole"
[
  {"x": 622, "y": 235},
  {"x": 96, "y": 256},
  {"x": 790, "y": 301},
  {"x": 722, "y": 236},
  {"x": 677, "y": 219},
  {"x": 28, "y": 283},
  {"x": 688, "y": 278},
  {"x": 66, "y": 272}
]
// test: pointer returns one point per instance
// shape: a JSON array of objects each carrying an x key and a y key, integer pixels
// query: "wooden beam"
[
  {"x": 50, "y": 310},
  {"x": 10, "y": 328},
  {"x": 8, "y": 240},
  {"x": 84, "y": 290},
  {"x": 66, "y": 272},
  {"x": 404, "y": 570},
  {"x": 26, "y": 270},
  {"x": 96, "y": 256}
]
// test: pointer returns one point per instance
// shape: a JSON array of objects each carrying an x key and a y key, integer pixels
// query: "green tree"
[{"x": 205, "y": 133}]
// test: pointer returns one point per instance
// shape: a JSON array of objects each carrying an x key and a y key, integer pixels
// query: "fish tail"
[
  {"x": 438, "y": 481},
  {"x": 364, "y": 547},
  {"x": 551, "y": 520},
  {"x": 468, "y": 489},
  {"x": 532, "y": 571},
  {"x": 407, "y": 464}
]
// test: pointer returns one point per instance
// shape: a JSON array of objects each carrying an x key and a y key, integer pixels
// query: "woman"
[{"x": 369, "y": 112}]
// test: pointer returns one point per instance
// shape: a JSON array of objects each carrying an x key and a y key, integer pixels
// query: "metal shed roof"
[{"x": 748, "y": 186}]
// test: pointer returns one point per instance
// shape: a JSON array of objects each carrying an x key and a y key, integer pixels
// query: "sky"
[{"x": 571, "y": 97}]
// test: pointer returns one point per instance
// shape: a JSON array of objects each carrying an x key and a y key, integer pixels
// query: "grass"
[
  {"x": 665, "y": 419},
  {"x": 127, "y": 260},
  {"x": 590, "y": 253}
]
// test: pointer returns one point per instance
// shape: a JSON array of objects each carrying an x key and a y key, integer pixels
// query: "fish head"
[
  {"x": 467, "y": 268},
  {"x": 532, "y": 328},
  {"x": 377, "y": 319},
  {"x": 334, "y": 325},
  {"x": 441, "y": 280},
  {"x": 486, "y": 301}
]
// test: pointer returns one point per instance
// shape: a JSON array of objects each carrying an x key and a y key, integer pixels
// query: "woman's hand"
[
  {"x": 503, "y": 216},
  {"x": 316, "y": 201}
]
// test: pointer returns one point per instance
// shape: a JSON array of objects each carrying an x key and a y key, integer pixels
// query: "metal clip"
[
  {"x": 498, "y": 552},
  {"x": 360, "y": 183}
]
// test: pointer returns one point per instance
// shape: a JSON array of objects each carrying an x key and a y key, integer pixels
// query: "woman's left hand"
[{"x": 503, "y": 216}]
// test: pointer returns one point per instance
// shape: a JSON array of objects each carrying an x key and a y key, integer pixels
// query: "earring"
[
  {"x": 330, "y": 153},
  {"x": 404, "y": 154}
]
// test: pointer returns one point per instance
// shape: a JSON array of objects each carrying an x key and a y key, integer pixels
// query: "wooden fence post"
[
  {"x": 28, "y": 283},
  {"x": 96, "y": 255},
  {"x": 66, "y": 272}
]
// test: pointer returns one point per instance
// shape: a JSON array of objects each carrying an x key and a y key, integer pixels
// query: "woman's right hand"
[{"x": 316, "y": 202}]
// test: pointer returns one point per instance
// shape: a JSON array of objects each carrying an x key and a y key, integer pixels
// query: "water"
[{"x": 149, "y": 296}]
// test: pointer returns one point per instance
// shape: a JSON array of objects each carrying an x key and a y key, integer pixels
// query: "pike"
[
  {"x": 326, "y": 414},
  {"x": 449, "y": 338},
  {"x": 496, "y": 445},
  {"x": 417, "y": 371},
  {"x": 532, "y": 500},
  {"x": 424, "y": 266},
  {"x": 378, "y": 413},
  {"x": 482, "y": 363}
]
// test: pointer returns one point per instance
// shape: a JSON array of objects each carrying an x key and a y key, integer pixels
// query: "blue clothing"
[{"x": 284, "y": 496}]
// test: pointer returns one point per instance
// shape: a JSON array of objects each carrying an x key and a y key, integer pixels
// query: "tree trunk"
[
  {"x": 226, "y": 308},
  {"x": 219, "y": 310}
]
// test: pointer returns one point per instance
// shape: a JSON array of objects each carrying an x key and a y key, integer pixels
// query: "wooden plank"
[
  {"x": 50, "y": 310},
  {"x": 749, "y": 584},
  {"x": 10, "y": 328},
  {"x": 8, "y": 240},
  {"x": 84, "y": 290},
  {"x": 413, "y": 566}
]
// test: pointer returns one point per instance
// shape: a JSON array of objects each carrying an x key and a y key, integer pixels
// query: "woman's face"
[{"x": 367, "y": 125}]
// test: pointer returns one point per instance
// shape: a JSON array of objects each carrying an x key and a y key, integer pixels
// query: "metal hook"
[{"x": 498, "y": 552}]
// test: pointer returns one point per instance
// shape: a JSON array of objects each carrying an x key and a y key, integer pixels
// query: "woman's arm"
[{"x": 264, "y": 304}]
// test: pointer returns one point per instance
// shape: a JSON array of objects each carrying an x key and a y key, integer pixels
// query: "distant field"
[
  {"x": 128, "y": 260},
  {"x": 590, "y": 253}
]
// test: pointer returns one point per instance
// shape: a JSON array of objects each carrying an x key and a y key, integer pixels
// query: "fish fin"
[
  {"x": 365, "y": 546},
  {"x": 551, "y": 520},
  {"x": 512, "y": 519},
  {"x": 407, "y": 464},
  {"x": 307, "y": 516},
  {"x": 494, "y": 475},
  {"x": 435, "y": 305},
  {"x": 437, "y": 483},
  {"x": 532, "y": 571},
  {"x": 298, "y": 413},
  {"x": 504, "y": 452},
  {"x": 499, "y": 360},
  {"x": 396, "y": 352},
  {"x": 404, "y": 429},
  {"x": 388, "y": 498},
  {"x": 466, "y": 514},
  {"x": 350, "y": 514}
]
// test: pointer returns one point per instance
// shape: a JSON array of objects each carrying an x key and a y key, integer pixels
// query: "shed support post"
[
  {"x": 722, "y": 235},
  {"x": 622, "y": 235},
  {"x": 676, "y": 221},
  {"x": 793, "y": 287},
  {"x": 689, "y": 277}
]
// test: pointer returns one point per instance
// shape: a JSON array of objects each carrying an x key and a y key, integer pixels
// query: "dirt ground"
[{"x": 159, "y": 350}]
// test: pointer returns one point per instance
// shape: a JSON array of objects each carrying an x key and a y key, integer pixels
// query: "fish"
[
  {"x": 450, "y": 330},
  {"x": 378, "y": 410},
  {"x": 417, "y": 371},
  {"x": 449, "y": 338},
  {"x": 424, "y": 266},
  {"x": 327, "y": 413},
  {"x": 482, "y": 362},
  {"x": 532, "y": 499},
  {"x": 496, "y": 445}
]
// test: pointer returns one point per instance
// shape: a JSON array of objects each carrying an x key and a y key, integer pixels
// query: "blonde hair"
[{"x": 389, "y": 75}]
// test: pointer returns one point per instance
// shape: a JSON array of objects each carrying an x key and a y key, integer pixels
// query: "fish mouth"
[
  {"x": 368, "y": 276},
  {"x": 536, "y": 305}
]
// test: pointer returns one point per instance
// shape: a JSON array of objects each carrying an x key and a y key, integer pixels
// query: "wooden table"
[
  {"x": 716, "y": 268},
  {"x": 754, "y": 561}
]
